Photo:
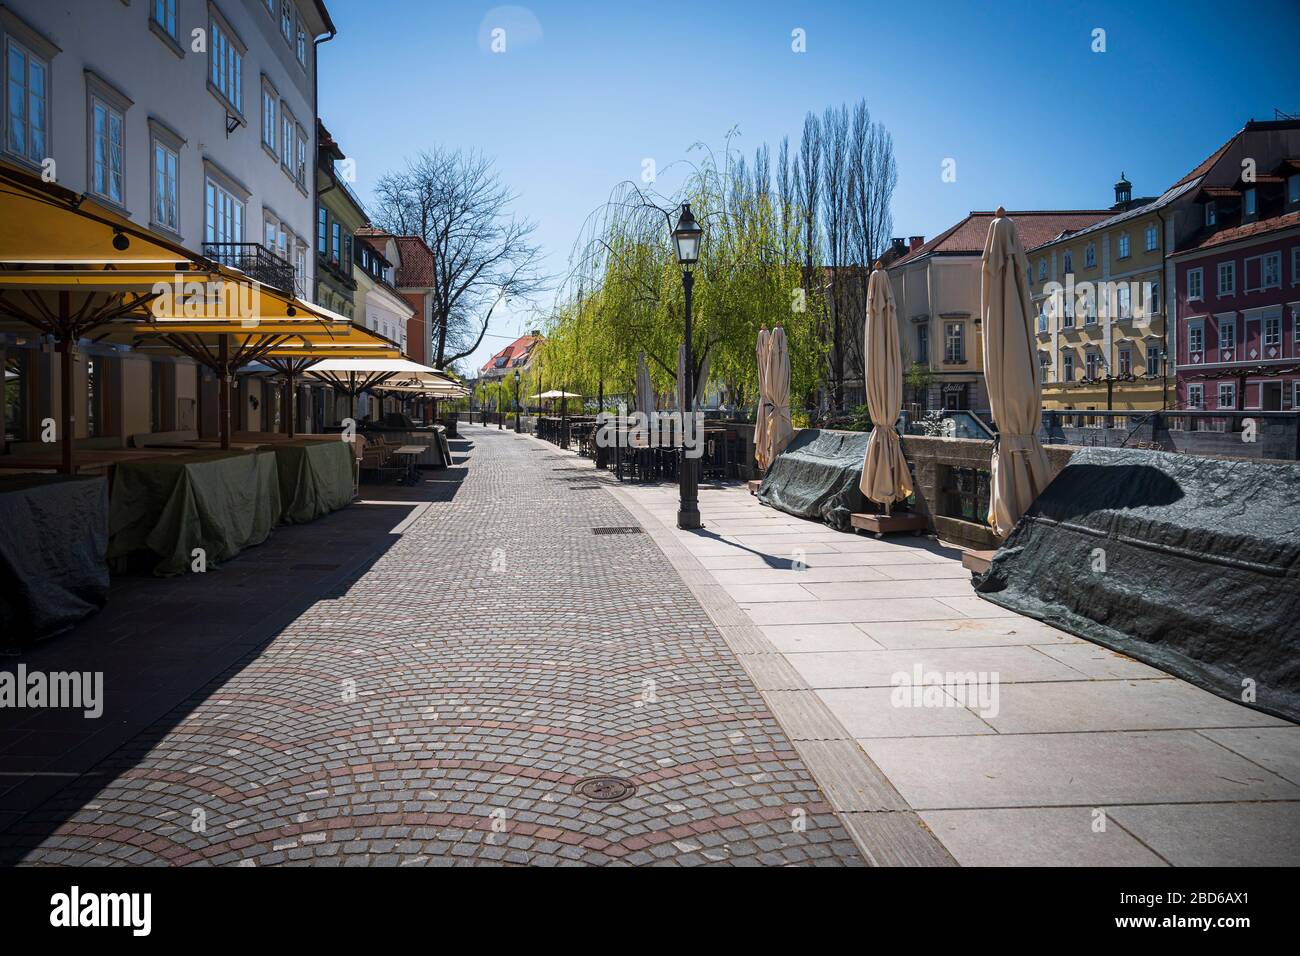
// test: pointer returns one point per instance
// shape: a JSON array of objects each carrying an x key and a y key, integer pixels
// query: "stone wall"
[{"x": 930, "y": 458}]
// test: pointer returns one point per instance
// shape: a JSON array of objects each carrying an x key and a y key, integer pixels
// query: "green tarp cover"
[
  {"x": 817, "y": 476},
  {"x": 1190, "y": 564},
  {"x": 315, "y": 478},
  {"x": 220, "y": 501},
  {"x": 53, "y": 543}
]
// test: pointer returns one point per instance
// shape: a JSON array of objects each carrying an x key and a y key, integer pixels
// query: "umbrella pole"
[
  {"x": 65, "y": 347},
  {"x": 223, "y": 390},
  {"x": 289, "y": 385}
]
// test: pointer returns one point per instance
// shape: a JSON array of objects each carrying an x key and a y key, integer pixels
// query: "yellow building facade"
[{"x": 1100, "y": 294}]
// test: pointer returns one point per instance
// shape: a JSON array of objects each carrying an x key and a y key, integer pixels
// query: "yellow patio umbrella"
[
  {"x": 1020, "y": 467},
  {"x": 885, "y": 478},
  {"x": 72, "y": 268}
]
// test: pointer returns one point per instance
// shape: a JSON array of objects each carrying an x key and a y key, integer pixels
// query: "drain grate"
[
  {"x": 618, "y": 529},
  {"x": 605, "y": 789}
]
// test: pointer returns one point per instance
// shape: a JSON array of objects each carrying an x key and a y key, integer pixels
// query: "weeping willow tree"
[{"x": 623, "y": 297}]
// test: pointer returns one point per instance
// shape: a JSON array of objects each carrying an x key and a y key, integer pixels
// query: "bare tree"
[
  {"x": 786, "y": 190},
  {"x": 835, "y": 217},
  {"x": 871, "y": 181},
  {"x": 483, "y": 253}
]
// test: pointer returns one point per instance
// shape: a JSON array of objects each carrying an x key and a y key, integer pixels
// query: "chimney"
[
  {"x": 536, "y": 333},
  {"x": 915, "y": 242},
  {"x": 897, "y": 246}
]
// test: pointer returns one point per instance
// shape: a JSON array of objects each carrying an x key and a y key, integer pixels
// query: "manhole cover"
[
  {"x": 605, "y": 789},
  {"x": 617, "y": 530}
]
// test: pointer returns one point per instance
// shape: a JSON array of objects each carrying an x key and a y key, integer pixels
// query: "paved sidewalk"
[
  {"x": 1089, "y": 757},
  {"x": 444, "y": 705}
]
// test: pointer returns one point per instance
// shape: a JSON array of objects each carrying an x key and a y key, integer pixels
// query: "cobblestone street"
[{"x": 446, "y": 706}]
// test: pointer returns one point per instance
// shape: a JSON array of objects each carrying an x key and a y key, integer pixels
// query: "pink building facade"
[{"x": 1237, "y": 290}]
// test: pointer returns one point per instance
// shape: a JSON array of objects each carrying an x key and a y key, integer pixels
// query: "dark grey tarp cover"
[
  {"x": 1189, "y": 564},
  {"x": 817, "y": 476},
  {"x": 53, "y": 547}
]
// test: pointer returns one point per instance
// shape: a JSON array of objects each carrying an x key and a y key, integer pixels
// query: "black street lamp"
[
  {"x": 686, "y": 240},
  {"x": 516, "y": 401}
]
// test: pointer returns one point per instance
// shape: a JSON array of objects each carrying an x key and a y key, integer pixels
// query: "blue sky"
[{"x": 1012, "y": 91}]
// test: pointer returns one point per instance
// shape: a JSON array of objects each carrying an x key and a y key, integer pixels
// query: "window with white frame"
[
  {"x": 286, "y": 19},
  {"x": 283, "y": 244},
  {"x": 1152, "y": 237},
  {"x": 1272, "y": 330},
  {"x": 1195, "y": 338},
  {"x": 223, "y": 220},
  {"x": 1227, "y": 278},
  {"x": 1227, "y": 395},
  {"x": 1042, "y": 316},
  {"x": 1068, "y": 260},
  {"x": 1270, "y": 270},
  {"x": 1196, "y": 396},
  {"x": 1126, "y": 361},
  {"x": 1227, "y": 334},
  {"x": 300, "y": 167},
  {"x": 226, "y": 57},
  {"x": 1124, "y": 301},
  {"x": 286, "y": 138},
  {"x": 322, "y": 230},
  {"x": 27, "y": 89},
  {"x": 164, "y": 207},
  {"x": 954, "y": 342},
  {"x": 300, "y": 264},
  {"x": 270, "y": 230},
  {"x": 1042, "y": 269},
  {"x": 1123, "y": 245},
  {"x": 1091, "y": 364},
  {"x": 300, "y": 43},
  {"x": 164, "y": 14},
  {"x": 270, "y": 122},
  {"x": 1067, "y": 365},
  {"x": 1090, "y": 255},
  {"x": 1044, "y": 367},
  {"x": 107, "y": 150},
  {"x": 1153, "y": 360},
  {"x": 1067, "y": 310},
  {"x": 1195, "y": 283}
]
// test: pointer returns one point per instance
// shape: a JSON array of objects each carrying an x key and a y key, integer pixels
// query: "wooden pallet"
[{"x": 881, "y": 525}]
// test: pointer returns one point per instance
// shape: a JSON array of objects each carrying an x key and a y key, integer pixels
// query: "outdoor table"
[
  {"x": 410, "y": 453},
  {"x": 90, "y": 461},
  {"x": 166, "y": 507},
  {"x": 315, "y": 477},
  {"x": 53, "y": 545}
]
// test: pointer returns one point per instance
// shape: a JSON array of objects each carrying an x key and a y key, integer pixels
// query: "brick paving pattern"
[{"x": 442, "y": 708}]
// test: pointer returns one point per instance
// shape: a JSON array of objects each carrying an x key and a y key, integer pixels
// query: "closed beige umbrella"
[
  {"x": 764, "y": 415},
  {"x": 885, "y": 478},
  {"x": 1020, "y": 468},
  {"x": 780, "y": 428}
]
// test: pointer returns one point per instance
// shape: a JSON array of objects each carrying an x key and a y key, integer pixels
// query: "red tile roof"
[
  {"x": 417, "y": 261},
  {"x": 516, "y": 353},
  {"x": 1036, "y": 227},
  {"x": 1259, "y": 228}
]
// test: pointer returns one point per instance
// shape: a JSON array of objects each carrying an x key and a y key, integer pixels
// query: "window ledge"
[
  {"x": 166, "y": 231},
  {"x": 168, "y": 40},
  {"x": 230, "y": 107}
]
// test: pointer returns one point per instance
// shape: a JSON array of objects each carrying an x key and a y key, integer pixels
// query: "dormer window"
[
  {"x": 1210, "y": 216},
  {"x": 1248, "y": 202},
  {"x": 1293, "y": 188}
]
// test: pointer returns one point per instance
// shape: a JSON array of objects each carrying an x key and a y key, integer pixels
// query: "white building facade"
[{"x": 196, "y": 119}]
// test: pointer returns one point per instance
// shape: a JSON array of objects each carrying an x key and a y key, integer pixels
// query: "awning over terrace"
[{"x": 72, "y": 268}]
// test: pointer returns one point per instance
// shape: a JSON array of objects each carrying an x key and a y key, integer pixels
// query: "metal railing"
[{"x": 254, "y": 260}]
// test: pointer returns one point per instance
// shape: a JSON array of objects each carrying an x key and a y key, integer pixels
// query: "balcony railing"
[{"x": 255, "y": 260}]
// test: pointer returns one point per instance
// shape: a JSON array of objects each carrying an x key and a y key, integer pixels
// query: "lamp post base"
[{"x": 689, "y": 520}]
